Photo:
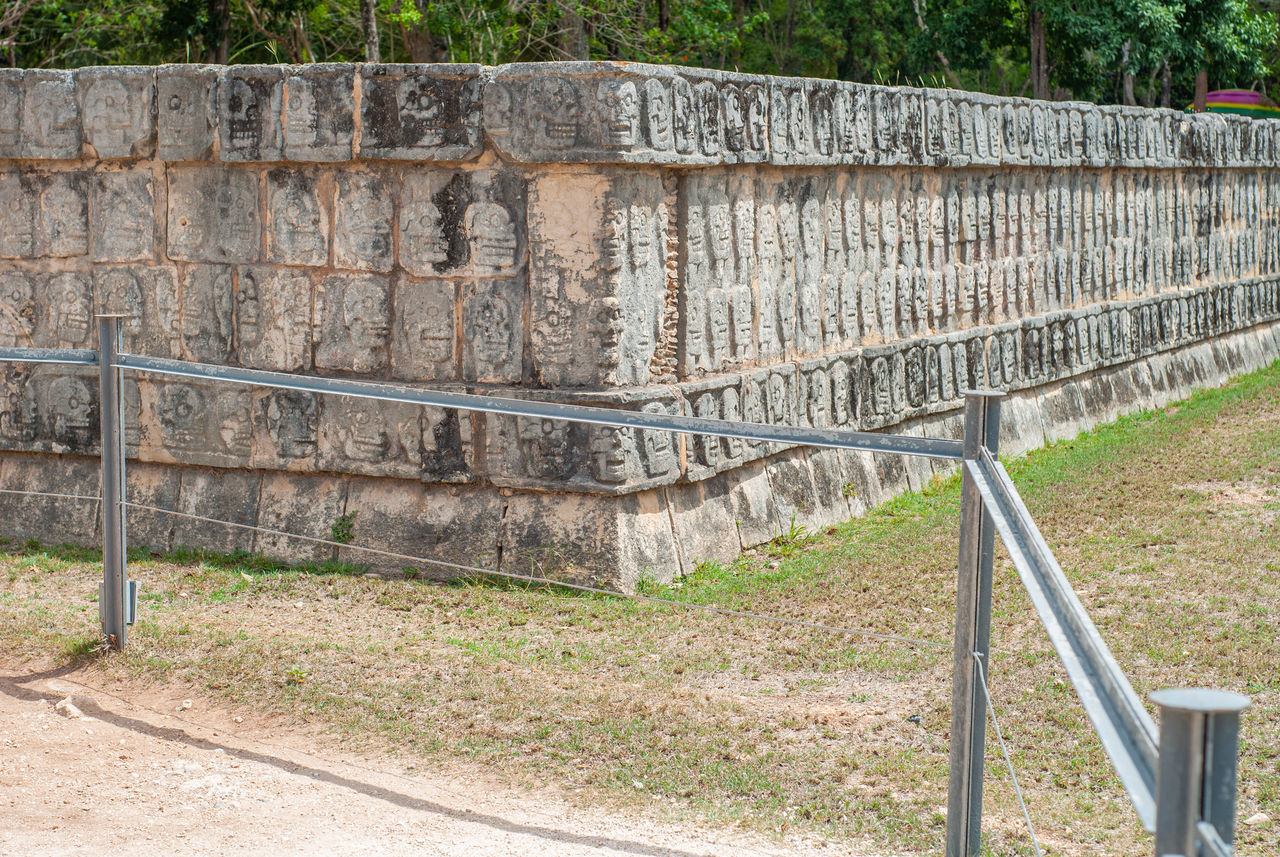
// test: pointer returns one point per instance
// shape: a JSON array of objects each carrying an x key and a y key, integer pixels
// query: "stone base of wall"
[{"x": 660, "y": 533}]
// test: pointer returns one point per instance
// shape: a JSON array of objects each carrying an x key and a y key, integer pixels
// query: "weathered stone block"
[
  {"x": 493, "y": 314},
  {"x": 50, "y": 115},
  {"x": 1021, "y": 425},
  {"x": 11, "y": 112},
  {"x": 574, "y": 290},
  {"x": 17, "y": 214},
  {"x": 213, "y": 215},
  {"x": 861, "y": 481},
  {"x": 363, "y": 222},
  {"x": 298, "y": 233},
  {"x": 421, "y": 112},
  {"x": 607, "y": 113},
  {"x": 249, "y": 102},
  {"x": 64, "y": 215},
  {"x": 207, "y": 296},
  {"x": 65, "y": 317},
  {"x": 149, "y": 298},
  {"x": 393, "y": 439},
  {"x": 50, "y": 409},
  {"x": 455, "y": 525},
  {"x": 319, "y": 112},
  {"x": 704, "y": 521},
  {"x": 286, "y": 427},
  {"x": 117, "y": 110},
  {"x": 184, "y": 112},
  {"x": 221, "y": 495},
  {"x": 425, "y": 330},
  {"x": 50, "y": 520},
  {"x": 613, "y": 541},
  {"x": 196, "y": 423},
  {"x": 123, "y": 223},
  {"x": 558, "y": 455},
  {"x": 155, "y": 485},
  {"x": 272, "y": 318},
  {"x": 303, "y": 504},
  {"x": 353, "y": 323},
  {"x": 719, "y": 398}
]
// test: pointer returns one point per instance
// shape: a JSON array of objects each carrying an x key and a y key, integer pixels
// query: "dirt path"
[{"x": 123, "y": 771}]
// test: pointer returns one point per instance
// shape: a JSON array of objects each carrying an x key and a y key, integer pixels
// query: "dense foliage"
[{"x": 1135, "y": 51}]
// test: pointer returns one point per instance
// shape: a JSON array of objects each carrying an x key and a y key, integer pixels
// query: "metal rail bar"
[
  {"x": 54, "y": 494},
  {"x": 1213, "y": 845},
  {"x": 972, "y": 637},
  {"x": 73, "y": 356},
  {"x": 115, "y": 575},
  {"x": 830, "y": 438},
  {"x": 1127, "y": 732}
]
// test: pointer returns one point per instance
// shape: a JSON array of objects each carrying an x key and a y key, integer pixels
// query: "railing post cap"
[
  {"x": 109, "y": 315},
  {"x": 1204, "y": 700},
  {"x": 988, "y": 394}
]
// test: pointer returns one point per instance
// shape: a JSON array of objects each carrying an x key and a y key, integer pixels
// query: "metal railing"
[{"x": 1182, "y": 780}]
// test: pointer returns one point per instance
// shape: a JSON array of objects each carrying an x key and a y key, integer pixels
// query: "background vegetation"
[{"x": 1113, "y": 51}]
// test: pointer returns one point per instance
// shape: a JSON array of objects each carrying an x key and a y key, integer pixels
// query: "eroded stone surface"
[{"x": 535, "y": 231}]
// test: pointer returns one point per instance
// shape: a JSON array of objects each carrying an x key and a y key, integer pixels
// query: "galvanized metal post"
[
  {"x": 973, "y": 633},
  {"x": 114, "y": 597},
  {"x": 1196, "y": 777}
]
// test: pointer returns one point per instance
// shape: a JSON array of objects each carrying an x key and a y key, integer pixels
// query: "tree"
[{"x": 1134, "y": 51}]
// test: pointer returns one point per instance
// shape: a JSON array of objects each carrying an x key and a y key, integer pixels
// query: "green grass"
[{"x": 1165, "y": 521}]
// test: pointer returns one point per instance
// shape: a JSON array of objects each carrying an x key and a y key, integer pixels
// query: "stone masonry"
[{"x": 802, "y": 252}]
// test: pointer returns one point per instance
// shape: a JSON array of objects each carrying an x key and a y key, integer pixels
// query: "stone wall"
[{"x": 676, "y": 240}]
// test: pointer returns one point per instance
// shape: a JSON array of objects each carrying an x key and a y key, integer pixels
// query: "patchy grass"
[{"x": 1166, "y": 522}]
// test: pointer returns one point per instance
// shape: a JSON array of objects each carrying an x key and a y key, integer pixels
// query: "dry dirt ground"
[{"x": 106, "y": 771}]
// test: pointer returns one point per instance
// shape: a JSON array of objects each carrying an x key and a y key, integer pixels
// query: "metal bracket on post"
[
  {"x": 117, "y": 598},
  {"x": 1196, "y": 777},
  {"x": 973, "y": 634}
]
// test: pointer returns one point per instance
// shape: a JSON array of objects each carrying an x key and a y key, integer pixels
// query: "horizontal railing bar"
[
  {"x": 71, "y": 356},
  {"x": 53, "y": 494},
  {"x": 1127, "y": 732},
  {"x": 829, "y": 438}
]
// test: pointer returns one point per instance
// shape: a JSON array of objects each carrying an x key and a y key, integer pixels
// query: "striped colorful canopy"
[{"x": 1242, "y": 101}]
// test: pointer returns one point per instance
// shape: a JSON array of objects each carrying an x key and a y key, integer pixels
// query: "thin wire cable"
[
  {"x": 986, "y": 691},
  {"x": 528, "y": 578},
  {"x": 51, "y": 494}
]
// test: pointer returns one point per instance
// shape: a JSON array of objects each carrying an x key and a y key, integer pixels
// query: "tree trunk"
[
  {"x": 1166, "y": 85},
  {"x": 1039, "y": 57},
  {"x": 369, "y": 23},
  {"x": 573, "y": 36},
  {"x": 1202, "y": 90},
  {"x": 1126, "y": 75},
  {"x": 739, "y": 18},
  {"x": 664, "y": 15},
  {"x": 218, "y": 50}
]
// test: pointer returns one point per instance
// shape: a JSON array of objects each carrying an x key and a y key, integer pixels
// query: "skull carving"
[
  {"x": 554, "y": 113},
  {"x": 618, "y": 105},
  {"x": 421, "y": 111},
  {"x": 293, "y": 422},
  {"x": 492, "y": 236},
  {"x": 244, "y": 120},
  {"x": 71, "y": 403}
]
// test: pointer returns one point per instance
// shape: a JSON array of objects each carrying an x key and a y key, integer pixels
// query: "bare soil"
[{"x": 127, "y": 768}]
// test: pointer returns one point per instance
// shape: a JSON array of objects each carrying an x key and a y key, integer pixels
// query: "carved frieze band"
[
  {"x": 50, "y": 409},
  {"x": 584, "y": 112}
]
